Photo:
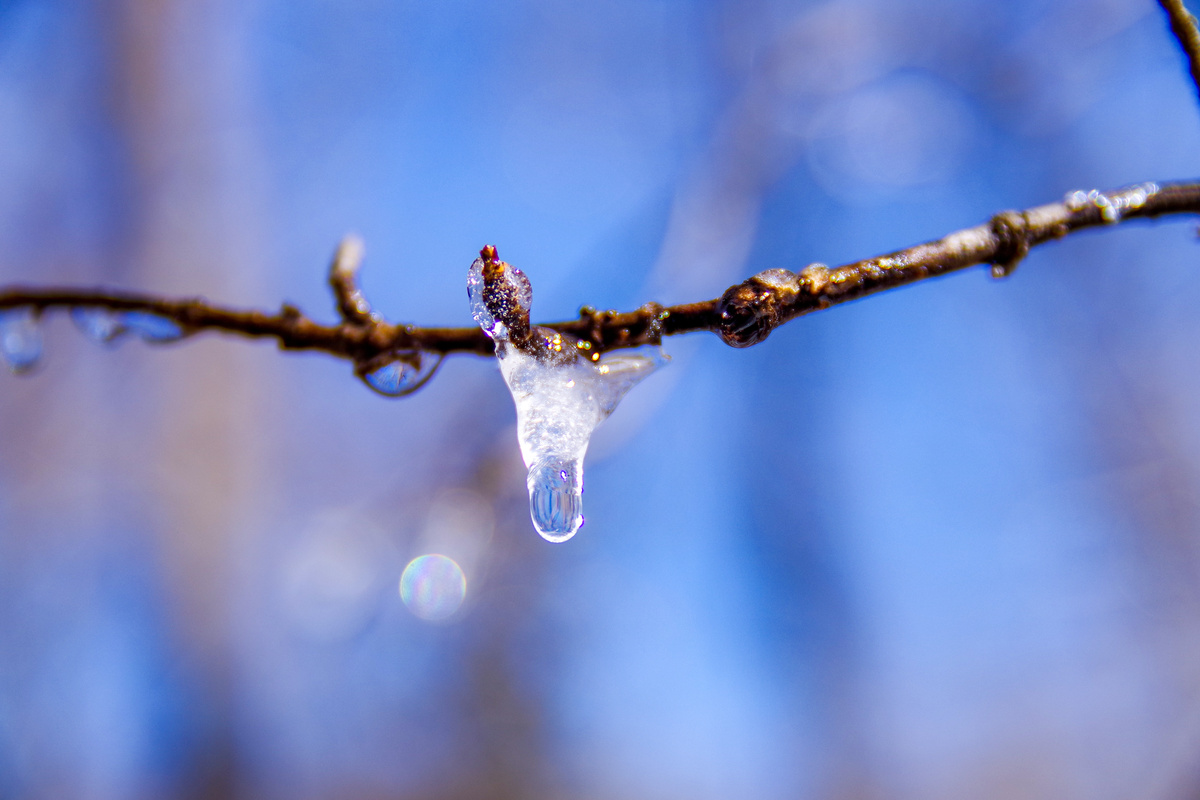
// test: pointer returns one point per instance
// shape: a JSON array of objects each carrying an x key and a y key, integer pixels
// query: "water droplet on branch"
[
  {"x": 560, "y": 393},
  {"x": 151, "y": 327},
  {"x": 20, "y": 339},
  {"x": 98, "y": 324},
  {"x": 402, "y": 375}
]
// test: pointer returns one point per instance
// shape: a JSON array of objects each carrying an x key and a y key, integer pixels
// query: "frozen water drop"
[
  {"x": 98, "y": 324},
  {"x": 399, "y": 377},
  {"x": 151, "y": 327},
  {"x": 20, "y": 339},
  {"x": 479, "y": 311},
  {"x": 556, "y": 498}
]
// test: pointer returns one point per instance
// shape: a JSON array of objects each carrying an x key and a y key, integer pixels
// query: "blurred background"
[{"x": 942, "y": 543}]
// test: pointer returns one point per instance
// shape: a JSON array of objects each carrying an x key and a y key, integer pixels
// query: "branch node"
[
  {"x": 591, "y": 338},
  {"x": 748, "y": 312},
  {"x": 1011, "y": 229},
  {"x": 656, "y": 317}
]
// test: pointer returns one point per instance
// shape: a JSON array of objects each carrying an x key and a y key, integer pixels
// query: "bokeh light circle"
[{"x": 433, "y": 587}]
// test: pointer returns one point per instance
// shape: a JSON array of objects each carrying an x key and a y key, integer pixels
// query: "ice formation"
[
  {"x": 561, "y": 394},
  {"x": 1112, "y": 207}
]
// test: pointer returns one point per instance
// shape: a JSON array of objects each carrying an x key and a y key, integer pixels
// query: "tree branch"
[
  {"x": 743, "y": 316},
  {"x": 1183, "y": 25},
  {"x": 343, "y": 280}
]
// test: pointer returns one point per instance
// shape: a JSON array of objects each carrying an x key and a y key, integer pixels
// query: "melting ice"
[{"x": 560, "y": 395}]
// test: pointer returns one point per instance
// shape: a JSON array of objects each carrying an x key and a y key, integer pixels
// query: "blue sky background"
[{"x": 938, "y": 544}]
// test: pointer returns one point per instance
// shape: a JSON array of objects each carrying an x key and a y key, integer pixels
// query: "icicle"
[
  {"x": 556, "y": 497},
  {"x": 98, "y": 324},
  {"x": 20, "y": 339},
  {"x": 401, "y": 376},
  {"x": 560, "y": 394},
  {"x": 151, "y": 327}
]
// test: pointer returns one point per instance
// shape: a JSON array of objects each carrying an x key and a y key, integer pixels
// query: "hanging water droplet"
[
  {"x": 151, "y": 327},
  {"x": 556, "y": 498},
  {"x": 98, "y": 324},
  {"x": 20, "y": 339},
  {"x": 400, "y": 376}
]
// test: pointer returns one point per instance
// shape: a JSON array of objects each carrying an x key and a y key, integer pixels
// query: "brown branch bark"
[
  {"x": 1183, "y": 25},
  {"x": 743, "y": 316},
  {"x": 343, "y": 280}
]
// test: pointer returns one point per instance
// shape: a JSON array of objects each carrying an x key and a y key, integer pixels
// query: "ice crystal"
[{"x": 560, "y": 395}]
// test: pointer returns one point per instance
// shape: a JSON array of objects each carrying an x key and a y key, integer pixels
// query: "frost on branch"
[{"x": 562, "y": 389}]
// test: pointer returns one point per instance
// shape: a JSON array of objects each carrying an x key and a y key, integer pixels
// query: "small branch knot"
[
  {"x": 1011, "y": 229},
  {"x": 748, "y": 312},
  {"x": 656, "y": 317},
  {"x": 593, "y": 324}
]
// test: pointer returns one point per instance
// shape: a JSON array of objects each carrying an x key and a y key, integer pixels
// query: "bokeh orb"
[{"x": 433, "y": 587}]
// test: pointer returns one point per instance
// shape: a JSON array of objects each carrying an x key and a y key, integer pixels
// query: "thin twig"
[
  {"x": 743, "y": 316},
  {"x": 343, "y": 280},
  {"x": 1183, "y": 25}
]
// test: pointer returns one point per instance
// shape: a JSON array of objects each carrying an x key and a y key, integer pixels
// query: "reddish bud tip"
[{"x": 488, "y": 253}]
